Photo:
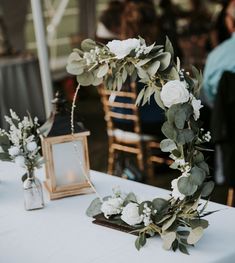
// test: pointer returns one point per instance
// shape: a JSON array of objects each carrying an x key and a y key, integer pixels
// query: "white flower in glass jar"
[
  {"x": 196, "y": 108},
  {"x": 14, "y": 150},
  {"x": 31, "y": 146},
  {"x": 122, "y": 48},
  {"x": 176, "y": 194},
  {"x": 174, "y": 92},
  {"x": 20, "y": 160},
  {"x": 130, "y": 214},
  {"x": 112, "y": 206}
]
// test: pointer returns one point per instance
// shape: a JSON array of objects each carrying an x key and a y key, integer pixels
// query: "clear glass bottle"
[{"x": 33, "y": 194}]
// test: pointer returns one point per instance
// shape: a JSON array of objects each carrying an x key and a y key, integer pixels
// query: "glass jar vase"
[{"x": 33, "y": 194}]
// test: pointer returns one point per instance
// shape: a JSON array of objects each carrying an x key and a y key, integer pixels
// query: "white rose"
[
  {"x": 130, "y": 214},
  {"x": 14, "y": 150},
  {"x": 174, "y": 92},
  {"x": 176, "y": 194},
  {"x": 196, "y": 108},
  {"x": 122, "y": 48},
  {"x": 20, "y": 160},
  {"x": 112, "y": 206},
  {"x": 31, "y": 146}
]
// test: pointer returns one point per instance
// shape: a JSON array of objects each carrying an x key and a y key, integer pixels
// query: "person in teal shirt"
[{"x": 221, "y": 59}]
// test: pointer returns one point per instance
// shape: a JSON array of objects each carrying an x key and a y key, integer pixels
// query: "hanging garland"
[{"x": 177, "y": 220}]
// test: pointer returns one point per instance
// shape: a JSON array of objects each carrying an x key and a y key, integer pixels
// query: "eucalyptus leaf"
[
  {"x": 185, "y": 136},
  {"x": 182, "y": 114},
  {"x": 94, "y": 208},
  {"x": 169, "y": 130},
  {"x": 203, "y": 165},
  {"x": 75, "y": 68},
  {"x": 168, "y": 223},
  {"x": 171, "y": 74},
  {"x": 160, "y": 204},
  {"x": 168, "y": 239},
  {"x": 167, "y": 145},
  {"x": 195, "y": 235},
  {"x": 158, "y": 99},
  {"x": 140, "y": 97},
  {"x": 130, "y": 68},
  {"x": 119, "y": 83},
  {"x": 177, "y": 153},
  {"x": 142, "y": 239},
  {"x": 198, "y": 157},
  {"x": 102, "y": 71},
  {"x": 207, "y": 188},
  {"x": 4, "y": 156},
  {"x": 74, "y": 56},
  {"x": 153, "y": 68},
  {"x": 175, "y": 245},
  {"x": 134, "y": 76},
  {"x": 186, "y": 186},
  {"x": 142, "y": 62},
  {"x": 168, "y": 47},
  {"x": 124, "y": 75},
  {"x": 142, "y": 73},
  {"x": 198, "y": 175},
  {"x": 194, "y": 223},
  {"x": 165, "y": 59},
  {"x": 88, "y": 44},
  {"x": 183, "y": 249},
  {"x": 131, "y": 197},
  {"x": 4, "y": 141},
  {"x": 137, "y": 243},
  {"x": 86, "y": 79}
]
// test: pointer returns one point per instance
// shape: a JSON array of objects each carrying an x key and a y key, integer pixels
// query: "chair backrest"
[{"x": 120, "y": 108}]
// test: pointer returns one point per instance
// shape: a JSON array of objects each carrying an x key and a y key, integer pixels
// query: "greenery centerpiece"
[
  {"x": 20, "y": 144},
  {"x": 178, "y": 220}
]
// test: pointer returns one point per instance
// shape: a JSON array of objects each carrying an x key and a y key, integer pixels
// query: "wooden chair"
[
  {"x": 125, "y": 140},
  {"x": 231, "y": 196}
]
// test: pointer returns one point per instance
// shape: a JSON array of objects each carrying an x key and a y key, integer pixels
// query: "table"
[
  {"x": 20, "y": 88},
  {"x": 61, "y": 232}
]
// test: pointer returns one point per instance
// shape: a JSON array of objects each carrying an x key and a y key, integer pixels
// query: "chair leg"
[
  {"x": 230, "y": 196},
  {"x": 111, "y": 161}
]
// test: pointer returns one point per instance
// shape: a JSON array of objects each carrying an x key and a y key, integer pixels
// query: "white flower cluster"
[
  {"x": 175, "y": 91},
  {"x": 24, "y": 149},
  {"x": 112, "y": 206},
  {"x": 147, "y": 215},
  {"x": 206, "y": 137},
  {"x": 90, "y": 57},
  {"x": 129, "y": 213},
  {"x": 122, "y": 48}
]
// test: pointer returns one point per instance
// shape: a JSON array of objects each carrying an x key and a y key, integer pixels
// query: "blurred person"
[
  {"x": 221, "y": 59},
  {"x": 168, "y": 24},
  {"x": 140, "y": 19},
  {"x": 109, "y": 24},
  {"x": 221, "y": 32}
]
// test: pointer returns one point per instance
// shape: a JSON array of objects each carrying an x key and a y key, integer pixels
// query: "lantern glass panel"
[{"x": 69, "y": 164}]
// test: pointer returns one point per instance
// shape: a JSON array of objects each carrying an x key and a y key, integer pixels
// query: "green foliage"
[
  {"x": 140, "y": 241},
  {"x": 154, "y": 67},
  {"x": 94, "y": 208},
  {"x": 186, "y": 186},
  {"x": 131, "y": 197}
]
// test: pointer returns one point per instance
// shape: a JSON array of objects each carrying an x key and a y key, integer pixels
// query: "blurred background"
[{"x": 194, "y": 27}]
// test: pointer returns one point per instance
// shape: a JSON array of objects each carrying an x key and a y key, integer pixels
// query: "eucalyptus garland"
[{"x": 178, "y": 220}]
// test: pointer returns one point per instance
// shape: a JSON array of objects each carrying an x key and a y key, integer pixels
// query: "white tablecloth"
[{"x": 61, "y": 232}]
